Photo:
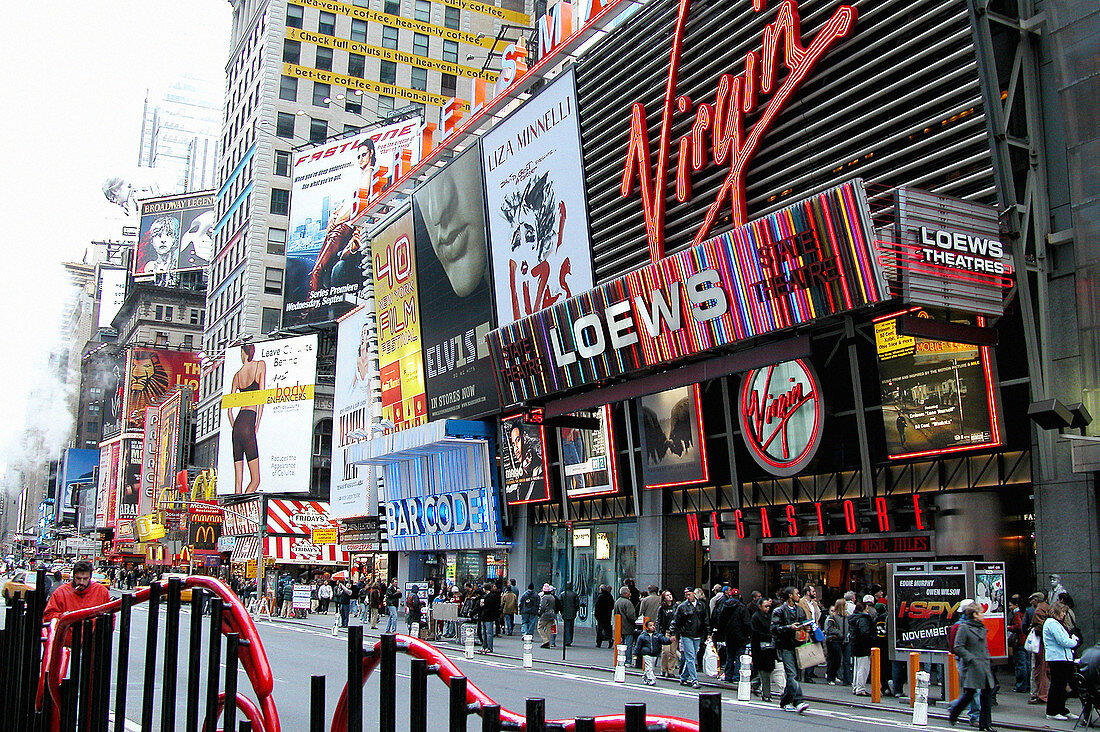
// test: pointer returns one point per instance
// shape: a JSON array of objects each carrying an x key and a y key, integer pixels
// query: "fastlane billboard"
[
  {"x": 456, "y": 303},
  {"x": 267, "y": 417},
  {"x": 332, "y": 182}
]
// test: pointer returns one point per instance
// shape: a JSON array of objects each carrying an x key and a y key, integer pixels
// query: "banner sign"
[
  {"x": 538, "y": 219},
  {"x": 937, "y": 397},
  {"x": 523, "y": 460},
  {"x": 112, "y": 293},
  {"x": 671, "y": 427},
  {"x": 267, "y": 417},
  {"x": 298, "y": 517},
  {"x": 810, "y": 260},
  {"x": 300, "y": 550},
  {"x": 324, "y": 535},
  {"x": 588, "y": 457},
  {"x": 351, "y": 489},
  {"x": 129, "y": 477},
  {"x": 456, "y": 302},
  {"x": 989, "y": 592},
  {"x": 434, "y": 518},
  {"x": 400, "y": 365},
  {"x": 301, "y": 595},
  {"x": 242, "y": 518}
]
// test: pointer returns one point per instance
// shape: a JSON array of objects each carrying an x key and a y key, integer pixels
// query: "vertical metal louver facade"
[{"x": 896, "y": 102}]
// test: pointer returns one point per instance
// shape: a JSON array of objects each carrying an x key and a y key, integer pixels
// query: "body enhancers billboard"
[
  {"x": 538, "y": 219},
  {"x": 452, "y": 262},
  {"x": 396, "y": 305},
  {"x": 937, "y": 396},
  {"x": 176, "y": 234},
  {"x": 523, "y": 460},
  {"x": 671, "y": 427},
  {"x": 351, "y": 490},
  {"x": 812, "y": 259},
  {"x": 267, "y": 417},
  {"x": 151, "y": 377},
  {"x": 324, "y": 251}
]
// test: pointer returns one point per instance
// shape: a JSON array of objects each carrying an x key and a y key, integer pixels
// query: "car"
[
  {"x": 20, "y": 583},
  {"x": 185, "y": 593},
  {"x": 101, "y": 579}
]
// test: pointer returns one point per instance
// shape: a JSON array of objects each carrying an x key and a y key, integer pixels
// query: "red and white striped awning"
[
  {"x": 297, "y": 550},
  {"x": 298, "y": 517},
  {"x": 246, "y": 549}
]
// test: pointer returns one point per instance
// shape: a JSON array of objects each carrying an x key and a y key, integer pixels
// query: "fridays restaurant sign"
[{"x": 813, "y": 259}]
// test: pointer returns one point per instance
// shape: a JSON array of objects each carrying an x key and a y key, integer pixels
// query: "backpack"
[
  {"x": 951, "y": 633},
  {"x": 529, "y": 603}
]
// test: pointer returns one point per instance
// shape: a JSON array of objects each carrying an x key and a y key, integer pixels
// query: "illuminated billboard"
[
  {"x": 937, "y": 396},
  {"x": 350, "y": 488},
  {"x": 264, "y": 444},
  {"x": 671, "y": 427},
  {"x": 76, "y": 472},
  {"x": 538, "y": 218},
  {"x": 523, "y": 460},
  {"x": 456, "y": 302},
  {"x": 151, "y": 377},
  {"x": 111, "y": 294},
  {"x": 812, "y": 259},
  {"x": 324, "y": 250},
  {"x": 161, "y": 447},
  {"x": 588, "y": 457},
  {"x": 400, "y": 362},
  {"x": 128, "y": 488},
  {"x": 176, "y": 234}
]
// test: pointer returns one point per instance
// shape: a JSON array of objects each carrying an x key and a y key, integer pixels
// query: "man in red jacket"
[{"x": 81, "y": 592}]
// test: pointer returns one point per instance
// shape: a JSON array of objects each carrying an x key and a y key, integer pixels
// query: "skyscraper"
[{"x": 180, "y": 131}]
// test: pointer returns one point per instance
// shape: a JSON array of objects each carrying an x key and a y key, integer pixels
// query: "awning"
[
  {"x": 297, "y": 550},
  {"x": 246, "y": 549},
  {"x": 434, "y": 438}
]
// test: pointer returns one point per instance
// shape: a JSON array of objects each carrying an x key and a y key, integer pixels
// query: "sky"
[{"x": 73, "y": 89}]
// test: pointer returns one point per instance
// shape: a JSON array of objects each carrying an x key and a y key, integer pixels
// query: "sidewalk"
[{"x": 1011, "y": 712}]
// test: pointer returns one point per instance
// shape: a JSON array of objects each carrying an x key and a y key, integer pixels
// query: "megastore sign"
[{"x": 810, "y": 260}]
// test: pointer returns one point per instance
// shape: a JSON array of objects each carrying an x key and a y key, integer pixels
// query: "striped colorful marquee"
[{"x": 810, "y": 260}]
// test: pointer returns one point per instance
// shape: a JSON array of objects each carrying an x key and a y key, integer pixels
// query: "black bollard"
[
  {"x": 634, "y": 714},
  {"x": 316, "y": 704},
  {"x": 536, "y": 715},
  {"x": 710, "y": 712}
]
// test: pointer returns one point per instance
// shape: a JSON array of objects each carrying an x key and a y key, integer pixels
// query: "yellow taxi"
[
  {"x": 21, "y": 582},
  {"x": 185, "y": 593}
]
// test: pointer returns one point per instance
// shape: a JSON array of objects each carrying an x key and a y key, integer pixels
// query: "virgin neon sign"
[
  {"x": 723, "y": 121},
  {"x": 782, "y": 416}
]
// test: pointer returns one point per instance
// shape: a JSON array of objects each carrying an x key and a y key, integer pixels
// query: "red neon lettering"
[
  {"x": 765, "y": 527},
  {"x": 880, "y": 512},
  {"x": 715, "y": 525},
  {"x": 739, "y": 523},
  {"x": 693, "y": 527},
  {"x": 820, "y": 519},
  {"x": 850, "y": 517},
  {"x": 917, "y": 512},
  {"x": 792, "y": 524},
  {"x": 736, "y": 97}
]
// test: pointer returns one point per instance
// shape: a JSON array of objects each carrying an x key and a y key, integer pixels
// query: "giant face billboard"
[
  {"x": 267, "y": 417},
  {"x": 324, "y": 273},
  {"x": 538, "y": 219},
  {"x": 937, "y": 396},
  {"x": 176, "y": 234},
  {"x": 351, "y": 491},
  {"x": 456, "y": 303},
  {"x": 400, "y": 362},
  {"x": 151, "y": 377}
]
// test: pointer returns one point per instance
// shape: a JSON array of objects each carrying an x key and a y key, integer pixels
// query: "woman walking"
[
  {"x": 977, "y": 677},
  {"x": 837, "y": 644}
]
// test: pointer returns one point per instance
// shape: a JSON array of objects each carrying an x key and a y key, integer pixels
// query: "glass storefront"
[{"x": 590, "y": 555}]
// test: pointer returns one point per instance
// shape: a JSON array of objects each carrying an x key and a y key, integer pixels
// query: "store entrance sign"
[{"x": 721, "y": 126}]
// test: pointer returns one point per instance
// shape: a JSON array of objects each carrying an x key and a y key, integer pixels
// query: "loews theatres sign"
[{"x": 810, "y": 260}]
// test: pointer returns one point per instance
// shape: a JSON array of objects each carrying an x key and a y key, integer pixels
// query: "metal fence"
[{"x": 81, "y": 663}]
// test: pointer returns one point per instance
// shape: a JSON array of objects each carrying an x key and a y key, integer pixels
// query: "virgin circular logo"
[{"x": 781, "y": 416}]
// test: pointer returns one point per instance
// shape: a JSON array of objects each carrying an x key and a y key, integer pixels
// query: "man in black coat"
[
  {"x": 602, "y": 610},
  {"x": 570, "y": 606},
  {"x": 730, "y": 627}
]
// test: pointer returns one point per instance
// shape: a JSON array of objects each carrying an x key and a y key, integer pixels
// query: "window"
[
  {"x": 167, "y": 312},
  {"x": 189, "y": 341},
  {"x": 292, "y": 51},
  {"x": 387, "y": 74},
  {"x": 321, "y": 93},
  {"x": 288, "y": 88},
  {"x": 357, "y": 65},
  {"x": 318, "y": 130},
  {"x": 93, "y": 408},
  {"x": 91, "y": 426},
  {"x": 385, "y": 105},
  {"x": 353, "y": 102},
  {"x": 322, "y": 437},
  {"x": 326, "y": 24},
  {"x": 159, "y": 312},
  {"x": 160, "y": 338},
  {"x": 280, "y": 201},
  {"x": 423, "y": 11},
  {"x": 448, "y": 85},
  {"x": 451, "y": 17},
  {"x": 389, "y": 37},
  {"x": 276, "y": 241},
  {"x": 273, "y": 280},
  {"x": 420, "y": 44},
  {"x": 393, "y": 7},
  {"x": 324, "y": 58},
  {"x": 284, "y": 126},
  {"x": 95, "y": 392},
  {"x": 196, "y": 316},
  {"x": 351, "y": 128},
  {"x": 359, "y": 30},
  {"x": 513, "y": 5},
  {"x": 269, "y": 320},
  {"x": 294, "y": 15},
  {"x": 450, "y": 51},
  {"x": 420, "y": 79},
  {"x": 282, "y": 162}
]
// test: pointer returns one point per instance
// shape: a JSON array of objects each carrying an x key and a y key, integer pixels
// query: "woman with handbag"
[
  {"x": 1058, "y": 647},
  {"x": 837, "y": 645},
  {"x": 763, "y": 648}
]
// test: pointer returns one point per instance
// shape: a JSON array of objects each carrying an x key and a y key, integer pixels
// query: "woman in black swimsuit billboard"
[{"x": 246, "y": 422}]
